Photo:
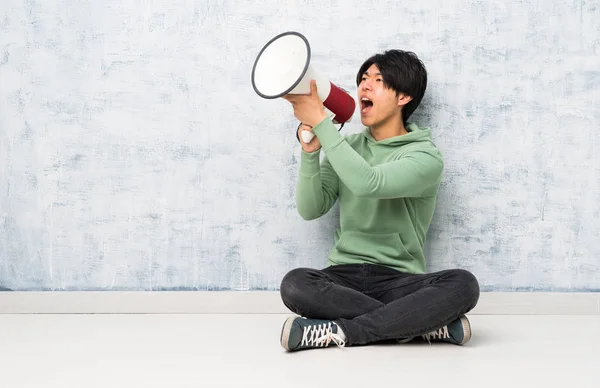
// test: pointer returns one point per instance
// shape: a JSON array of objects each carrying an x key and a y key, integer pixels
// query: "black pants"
[{"x": 373, "y": 303}]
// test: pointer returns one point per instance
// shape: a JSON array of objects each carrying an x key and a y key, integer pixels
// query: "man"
[{"x": 386, "y": 178}]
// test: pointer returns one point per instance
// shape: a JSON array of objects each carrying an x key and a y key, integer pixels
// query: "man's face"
[{"x": 377, "y": 103}]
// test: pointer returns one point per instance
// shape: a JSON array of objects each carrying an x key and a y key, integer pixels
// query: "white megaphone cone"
[{"x": 283, "y": 67}]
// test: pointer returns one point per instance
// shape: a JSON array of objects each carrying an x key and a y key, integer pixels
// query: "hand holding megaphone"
[
  {"x": 282, "y": 68},
  {"x": 313, "y": 144},
  {"x": 308, "y": 109}
]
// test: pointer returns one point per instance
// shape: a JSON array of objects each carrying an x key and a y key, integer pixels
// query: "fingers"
[
  {"x": 293, "y": 97},
  {"x": 313, "y": 88}
]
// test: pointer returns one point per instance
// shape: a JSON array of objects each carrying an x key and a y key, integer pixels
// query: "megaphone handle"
[{"x": 307, "y": 136}]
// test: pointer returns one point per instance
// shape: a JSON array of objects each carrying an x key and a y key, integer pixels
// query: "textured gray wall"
[{"x": 135, "y": 155}]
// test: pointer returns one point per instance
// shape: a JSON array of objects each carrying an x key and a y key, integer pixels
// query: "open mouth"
[{"x": 365, "y": 105}]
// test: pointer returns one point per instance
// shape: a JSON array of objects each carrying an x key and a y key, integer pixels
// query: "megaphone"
[{"x": 283, "y": 67}]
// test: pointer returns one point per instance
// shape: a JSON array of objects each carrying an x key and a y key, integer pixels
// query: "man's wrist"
[{"x": 319, "y": 119}]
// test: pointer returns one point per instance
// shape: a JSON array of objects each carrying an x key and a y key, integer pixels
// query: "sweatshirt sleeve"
[
  {"x": 412, "y": 175},
  {"x": 317, "y": 187}
]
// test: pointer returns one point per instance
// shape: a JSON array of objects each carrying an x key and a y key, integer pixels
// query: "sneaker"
[
  {"x": 456, "y": 332},
  {"x": 302, "y": 333}
]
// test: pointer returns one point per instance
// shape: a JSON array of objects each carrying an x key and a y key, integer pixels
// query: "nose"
[{"x": 366, "y": 85}]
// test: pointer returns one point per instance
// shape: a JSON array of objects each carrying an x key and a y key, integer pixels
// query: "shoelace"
[
  {"x": 320, "y": 336},
  {"x": 437, "y": 334}
]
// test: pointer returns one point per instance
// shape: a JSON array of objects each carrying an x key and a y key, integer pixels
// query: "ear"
[{"x": 403, "y": 99}]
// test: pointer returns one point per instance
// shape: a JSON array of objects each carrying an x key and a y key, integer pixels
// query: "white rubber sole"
[
  {"x": 466, "y": 329},
  {"x": 285, "y": 332}
]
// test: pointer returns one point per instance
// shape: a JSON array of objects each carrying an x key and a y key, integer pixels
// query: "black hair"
[{"x": 402, "y": 72}]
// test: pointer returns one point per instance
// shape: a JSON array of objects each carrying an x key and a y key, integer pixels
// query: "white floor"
[{"x": 243, "y": 351}]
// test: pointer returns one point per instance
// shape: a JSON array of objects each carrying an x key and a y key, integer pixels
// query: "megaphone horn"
[{"x": 283, "y": 67}]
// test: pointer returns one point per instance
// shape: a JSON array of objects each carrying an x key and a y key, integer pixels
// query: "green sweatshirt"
[{"x": 387, "y": 191}]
